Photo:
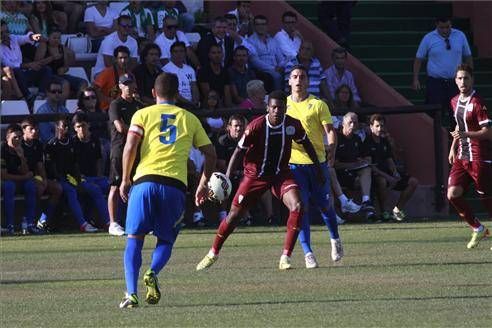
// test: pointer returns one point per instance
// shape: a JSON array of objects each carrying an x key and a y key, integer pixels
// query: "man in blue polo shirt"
[{"x": 444, "y": 49}]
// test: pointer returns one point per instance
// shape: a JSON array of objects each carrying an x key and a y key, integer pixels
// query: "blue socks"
[
  {"x": 330, "y": 218},
  {"x": 305, "y": 233},
  {"x": 132, "y": 260},
  {"x": 161, "y": 255}
]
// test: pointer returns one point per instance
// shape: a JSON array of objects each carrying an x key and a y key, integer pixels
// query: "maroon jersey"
[
  {"x": 268, "y": 147},
  {"x": 470, "y": 114}
]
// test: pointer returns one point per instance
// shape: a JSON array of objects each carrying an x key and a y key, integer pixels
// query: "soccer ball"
[{"x": 219, "y": 187}]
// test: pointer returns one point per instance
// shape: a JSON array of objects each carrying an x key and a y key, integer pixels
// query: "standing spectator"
[
  {"x": 146, "y": 73},
  {"x": 188, "y": 96},
  {"x": 100, "y": 21},
  {"x": 219, "y": 38},
  {"x": 44, "y": 19},
  {"x": 121, "y": 111},
  {"x": 267, "y": 57},
  {"x": 337, "y": 74},
  {"x": 15, "y": 173},
  {"x": 119, "y": 38},
  {"x": 17, "y": 22},
  {"x": 59, "y": 58},
  {"x": 74, "y": 10},
  {"x": 142, "y": 20},
  {"x": 240, "y": 74},
  {"x": 335, "y": 17},
  {"x": 256, "y": 95},
  {"x": 54, "y": 105},
  {"x": 317, "y": 85},
  {"x": 214, "y": 76},
  {"x": 289, "y": 38},
  {"x": 444, "y": 49}
]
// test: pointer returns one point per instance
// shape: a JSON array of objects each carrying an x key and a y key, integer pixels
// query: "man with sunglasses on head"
[
  {"x": 54, "y": 105},
  {"x": 444, "y": 49}
]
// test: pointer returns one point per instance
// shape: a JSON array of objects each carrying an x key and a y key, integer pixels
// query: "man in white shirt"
[
  {"x": 289, "y": 38},
  {"x": 100, "y": 21},
  {"x": 119, "y": 38}
]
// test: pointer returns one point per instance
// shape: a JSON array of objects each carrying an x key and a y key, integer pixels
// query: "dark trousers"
[
  {"x": 28, "y": 77},
  {"x": 441, "y": 91},
  {"x": 335, "y": 17}
]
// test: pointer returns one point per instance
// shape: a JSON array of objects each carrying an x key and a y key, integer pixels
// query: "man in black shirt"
[
  {"x": 120, "y": 113},
  {"x": 377, "y": 149},
  {"x": 213, "y": 76},
  {"x": 146, "y": 73}
]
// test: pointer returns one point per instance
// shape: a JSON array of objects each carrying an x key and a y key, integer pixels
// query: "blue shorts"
[
  {"x": 309, "y": 187},
  {"x": 155, "y": 207}
]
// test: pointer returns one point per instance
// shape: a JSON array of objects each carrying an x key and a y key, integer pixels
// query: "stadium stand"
[
  {"x": 71, "y": 105},
  {"x": 14, "y": 107},
  {"x": 78, "y": 72}
]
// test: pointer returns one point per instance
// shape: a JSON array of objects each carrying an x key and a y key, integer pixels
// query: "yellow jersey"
[
  {"x": 167, "y": 133},
  {"x": 313, "y": 114}
]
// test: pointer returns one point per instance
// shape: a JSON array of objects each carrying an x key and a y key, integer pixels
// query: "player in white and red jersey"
[{"x": 471, "y": 153}]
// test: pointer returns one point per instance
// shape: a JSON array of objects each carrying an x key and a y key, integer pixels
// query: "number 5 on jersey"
[{"x": 168, "y": 130}]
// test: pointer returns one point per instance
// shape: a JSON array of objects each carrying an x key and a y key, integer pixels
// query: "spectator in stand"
[
  {"x": 444, "y": 49},
  {"x": 120, "y": 113},
  {"x": 267, "y": 57},
  {"x": 377, "y": 150},
  {"x": 146, "y": 73},
  {"x": 337, "y": 74},
  {"x": 214, "y": 76},
  {"x": 240, "y": 74},
  {"x": 213, "y": 125},
  {"x": 344, "y": 99},
  {"x": 219, "y": 38},
  {"x": 289, "y": 38},
  {"x": 317, "y": 85},
  {"x": 26, "y": 74},
  {"x": 54, "y": 105},
  {"x": 142, "y": 20},
  {"x": 59, "y": 58},
  {"x": 10, "y": 88},
  {"x": 33, "y": 151},
  {"x": 62, "y": 166},
  {"x": 335, "y": 17},
  {"x": 119, "y": 38},
  {"x": 350, "y": 164},
  {"x": 174, "y": 9},
  {"x": 244, "y": 16},
  {"x": 15, "y": 174},
  {"x": 44, "y": 19},
  {"x": 16, "y": 21},
  {"x": 169, "y": 36},
  {"x": 256, "y": 95},
  {"x": 188, "y": 96},
  {"x": 74, "y": 10},
  {"x": 100, "y": 21},
  {"x": 240, "y": 38},
  {"x": 106, "y": 82}
]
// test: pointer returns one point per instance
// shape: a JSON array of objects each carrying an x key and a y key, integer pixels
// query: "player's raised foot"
[
  {"x": 399, "y": 215},
  {"x": 284, "y": 263},
  {"x": 153, "y": 293},
  {"x": 206, "y": 262},
  {"x": 476, "y": 237},
  {"x": 351, "y": 207},
  {"x": 311, "y": 262},
  {"x": 336, "y": 250},
  {"x": 129, "y": 301},
  {"x": 115, "y": 229}
]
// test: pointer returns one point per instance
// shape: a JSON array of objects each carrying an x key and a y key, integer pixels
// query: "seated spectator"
[
  {"x": 169, "y": 36},
  {"x": 289, "y": 38},
  {"x": 146, "y": 73},
  {"x": 240, "y": 38},
  {"x": 54, "y": 104},
  {"x": 351, "y": 166},
  {"x": 256, "y": 95},
  {"x": 217, "y": 37},
  {"x": 378, "y": 151},
  {"x": 33, "y": 151},
  {"x": 267, "y": 57},
  {"x": 100, "y": 21},
  {"x": 59, "y": 58},
  {"x": 188, "y": 96},
  {"x": 174, "y": 9},
  {"x": 16, "y": 21},
  {"x": 121, "y": 37},
  {"x": 26, "y": 74},
  {"x": 74, "y": 10},
  {"x": 43, "y": 18},
  {"x": 106, "y": 82},
  {"x": 240, "y": 74},
  {"x": 344, "y": 99},
  {"x": 214, "y": 76},
  {"x": 337, "y": 74},
  {"x": 213, "y": 125},
  {"x": 61, "y": 165},
  {"x": 142, "y": 20},
  {"x": 244, "y": 16},
  {"x": 15, "y": 174},
  {"x": 306, "y": 58}
]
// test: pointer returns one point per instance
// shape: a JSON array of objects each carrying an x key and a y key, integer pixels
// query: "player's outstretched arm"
[
  {"x": 234, "y": 161},
  {"x": 129, "y": 155},
  {"x": 208, "y": 167}
]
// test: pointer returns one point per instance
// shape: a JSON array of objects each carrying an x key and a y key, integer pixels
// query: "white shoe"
[
  {"x": 87, "y": 227},
  {"x": 340, "y": 221},
  {"x": 336, "y": 250},
  {"x": 284, "y": 263},
  {"x": 115, "y": 229},
  {"x": 311, "y": 262},
  {"x": 351, "y": 207}
]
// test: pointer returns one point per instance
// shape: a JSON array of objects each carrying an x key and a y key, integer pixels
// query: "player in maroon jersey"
[
  {"x": 266, "y": 144},
  {"x": 471, "y": 153}
]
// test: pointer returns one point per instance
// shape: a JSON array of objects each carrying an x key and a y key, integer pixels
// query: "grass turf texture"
[{"x": 410, "y": 274}]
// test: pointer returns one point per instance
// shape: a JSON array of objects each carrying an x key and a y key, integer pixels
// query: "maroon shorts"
[
  {"x": 251, "y": 189},
  {"x": 464, "y": 172}
]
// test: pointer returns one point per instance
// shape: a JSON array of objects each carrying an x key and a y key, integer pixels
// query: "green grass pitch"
[{"x": 409, "y": 274}]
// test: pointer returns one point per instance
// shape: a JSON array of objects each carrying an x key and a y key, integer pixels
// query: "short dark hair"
[
  {"x": 299, "y": 66},
  {"x": 167, "y": 18},
  {"x": 262, "y": 17},
  {"x": 61, "y": 119},
  {"x": 119, "y": 49},
  {"x": 465, "y": 67},
  {"x": 80, "y": 117},
  {"x": 146, "y": 50},
  {"x": 123, "y": 17},
  {"x": 230, "y": 16},
  {"x": 376, "y": 117},
  {"x": 56, "y": 81},
  {"x": 289, "y": 14},
  {"x": 338, "y": 51},
  {"x": 28, "y": 121},
  {"x": 166, "y": 85},
  {"x": 220, "y": 19},
  {"x": 443, "y": 19},
  {"x": 236, "y": 117},
  {"x": 178, "y": 44},
  {"x": 214, "y": 46},
  {"x": 279, "y": 95},
  {"x": 14, "y": 127},
  {"x": 240, "y": 48},
  {"x": 81, "y": 95}
]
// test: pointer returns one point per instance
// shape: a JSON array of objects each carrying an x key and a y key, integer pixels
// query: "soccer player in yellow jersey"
[
  {"x": 156, "y": 201},
  {"x": 316, "y": 120}
]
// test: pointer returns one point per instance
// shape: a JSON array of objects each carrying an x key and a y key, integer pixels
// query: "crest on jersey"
[
  {"x": 240, "y": 199},
  {"x": 290, "y": 130}
]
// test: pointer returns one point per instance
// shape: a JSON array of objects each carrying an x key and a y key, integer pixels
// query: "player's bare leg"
[{"x": 292, "y": 200}]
